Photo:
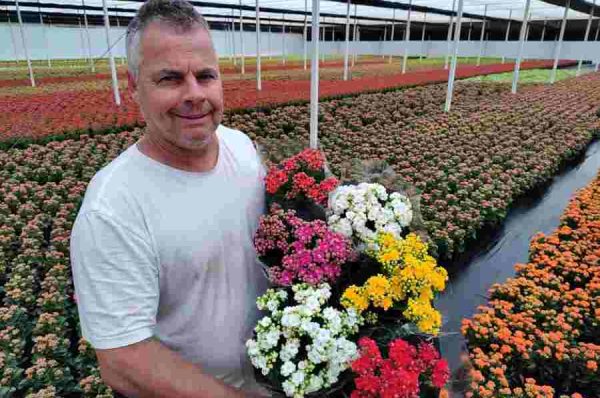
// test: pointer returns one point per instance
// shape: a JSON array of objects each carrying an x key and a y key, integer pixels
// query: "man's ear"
[{"x": 132, "y": 86}]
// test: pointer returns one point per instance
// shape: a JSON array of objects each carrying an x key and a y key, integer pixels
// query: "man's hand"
[{"x": 148, "y": 369}]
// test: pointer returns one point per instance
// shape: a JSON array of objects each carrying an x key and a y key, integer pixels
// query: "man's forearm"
[{"x": 152, "y": 370}]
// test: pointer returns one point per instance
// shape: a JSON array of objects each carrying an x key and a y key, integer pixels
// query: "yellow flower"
[
  {"x": 378, "y": 290},
  {"x": 389, "y": 257},
  {"x": 355, "y": 297},
  {"x": 427, "y": 319}
]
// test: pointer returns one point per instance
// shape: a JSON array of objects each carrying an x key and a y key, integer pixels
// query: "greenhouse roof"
[{"x": 334, "y": 11}]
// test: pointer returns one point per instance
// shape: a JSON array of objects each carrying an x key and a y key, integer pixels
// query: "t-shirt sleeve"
[{"x": 115, "y": 274}]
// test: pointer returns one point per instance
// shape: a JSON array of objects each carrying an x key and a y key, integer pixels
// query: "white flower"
[
  {"x": 298, "y": 377},
  {"x": 289, "y": 388},
  {"x": 288, "y": 368},
  {"x": 289, "y": 318},
  {"x": 315, "y": 384}
]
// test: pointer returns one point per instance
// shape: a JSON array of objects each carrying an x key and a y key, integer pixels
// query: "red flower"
[
  {"x": 440, "y": 374},
  {"x": 275, "y": 179},
  {"x": 399, "y": 375},
  {"x": 402, "y": 353},
  {"x": 428, "y": 355}
]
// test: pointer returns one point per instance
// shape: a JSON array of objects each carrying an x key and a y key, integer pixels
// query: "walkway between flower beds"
[{"x": 470, "y": 279}]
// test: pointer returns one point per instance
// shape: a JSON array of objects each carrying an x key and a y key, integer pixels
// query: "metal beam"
[
  {"x": 521, "y": 46},
  {"x": 305, "y": 41},
  {"x": 314, "y": 77},
  {"x": 393, "y": 31},
  {"x": 482, "y": 36},
  {"x": 559, "y": 44},
  {"x": 406, "y": 40},
  {"x": 586, "y": 38},
  {"x": 423, "y": 37},
  {"x": 414, "y": 8},
  {"x": 113, "y": 67},
  {"x": 449, "y": 36},
  {"x": 258, "y": 75},
  {"x": 45, "y": 36},
  {"x": 347, "y": 45},
  {"x": 87, "y": 33},
  {"x": 454, "y": 58},
  {"x": 507, "y": 30},
  {"x": 24, "y": 41},
  {"x": 242, "y": 55}
]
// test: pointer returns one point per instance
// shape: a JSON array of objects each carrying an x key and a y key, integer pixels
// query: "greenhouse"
[{"x": 337, "y": 198}]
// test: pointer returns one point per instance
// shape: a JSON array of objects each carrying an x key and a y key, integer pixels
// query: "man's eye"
[
  {"x": 167, "y": 79},
  {"x": 207, "y": 76}
]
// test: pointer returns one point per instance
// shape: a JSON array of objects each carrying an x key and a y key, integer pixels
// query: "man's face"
[{"x": 179, "y": 86}]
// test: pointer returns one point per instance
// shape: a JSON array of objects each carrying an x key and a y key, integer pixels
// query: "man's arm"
[{"x": 148, "y": 369}]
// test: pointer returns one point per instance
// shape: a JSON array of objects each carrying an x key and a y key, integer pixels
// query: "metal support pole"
[
  {"x": 89, "y": 42},
  {"x": 305, "y": 44},
  {"x": 586, "y": 37},
  {"x": 283, "y": 49},
  {"x": 113, "y": 68},
  {"x": 482, "y": 36},
  {"x": 449, "y": 37},
  {"x": 314, "y": 77},
  {"x": 258, "y": 76},
  {"x": 454, "y": 57},
  {"x": 347, "y": 45},
  {"x": 423, "y": 37},
  {"x": 521, "y": 46},
  {"x": 406, "y": 38},
  {"x": 384, "y": 40},
  {"x": 355, "y": 38},
  {"x": 118, "y": 27},
  {"x": 12, "y": 37},
  {"x": 507, "y": 30},
  {"x": 393, "y": 33},
  {"x": 560, "y": 41},
  {"x": 544, "y": 30},
  {"x": 323, "y": 39},
  {"x": 596, "y": 39},
  {"x": 31, "y": 78},
  {"x": 269, "y": 37},
  {"x": 470, "y": 30},
  {"x": 233, "y": 38},
  {"x": 228, "y": 38},
  {"x": 45, "y": 35},
  {"x": 81, "y": 38},
  {"x": 527, "y": 34},
  {"x": 242, "y": 55}
]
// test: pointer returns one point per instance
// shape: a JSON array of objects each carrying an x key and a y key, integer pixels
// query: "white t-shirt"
[{"x": 161, "y": 251}]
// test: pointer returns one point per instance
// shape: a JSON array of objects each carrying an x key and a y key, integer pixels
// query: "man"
[{"x": 164, "y": 268}]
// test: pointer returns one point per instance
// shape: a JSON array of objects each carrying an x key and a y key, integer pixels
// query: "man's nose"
[{"x": 194, "y": 90}]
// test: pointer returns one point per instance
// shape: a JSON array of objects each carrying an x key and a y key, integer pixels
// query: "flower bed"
[
  {"x": 41, "y": 350},
  {"x": 471, "y": 164},
  {"x": 539, "y": 334},
  {"x": 39, "y": 115}
]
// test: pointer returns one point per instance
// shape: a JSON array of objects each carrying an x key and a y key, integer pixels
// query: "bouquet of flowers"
[
  {"x": 343, "y": 264},
  {"x": 302, "y": 344}
]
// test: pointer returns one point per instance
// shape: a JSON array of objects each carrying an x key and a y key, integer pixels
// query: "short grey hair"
[{"x": 179, "y": 14}]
